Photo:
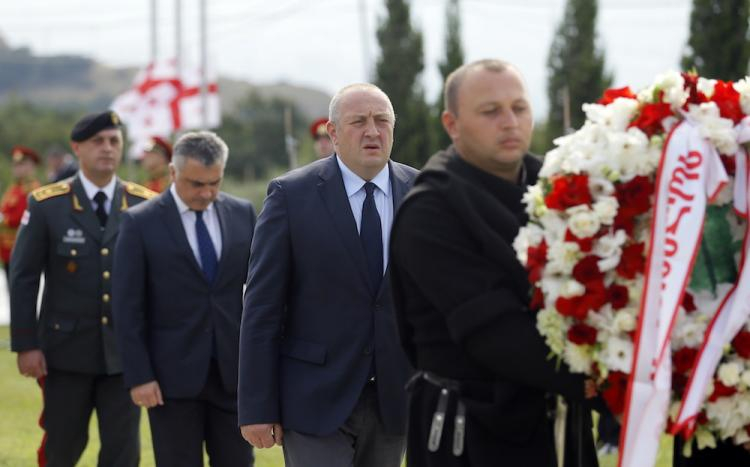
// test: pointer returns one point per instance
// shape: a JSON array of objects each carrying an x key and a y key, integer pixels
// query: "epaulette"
[
  {"x": 139, "y": 190},
  {"x": 51, "y": 191}
]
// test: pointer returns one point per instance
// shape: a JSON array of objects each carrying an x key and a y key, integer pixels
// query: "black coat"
[{"x": 461, "y": 296}]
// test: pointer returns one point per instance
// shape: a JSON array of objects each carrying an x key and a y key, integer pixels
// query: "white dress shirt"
[
  {"x": 91, "y": 190},
  {"x": 210, "y": 218},
  {"x": 355, "y": 190}
]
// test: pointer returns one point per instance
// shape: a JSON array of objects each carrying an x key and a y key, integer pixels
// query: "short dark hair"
[
  {"x": 454, "y": 80},
  {"x": 204, "y": 146}
]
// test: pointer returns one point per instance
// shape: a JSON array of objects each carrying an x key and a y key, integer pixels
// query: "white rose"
[
  {"x": 584, "y": 224},
  {"x": 729, "y": 374},
  {"x": 606, "y": 208},
  {"x": 572, "y": 288},
  {"x": 624, "y": 321}
]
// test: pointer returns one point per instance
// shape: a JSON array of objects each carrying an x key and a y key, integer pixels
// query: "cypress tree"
[
  {"x": 454, "y": 58},
  {"x": 397, "y": 72},
  {"x": 575, "y": 67},
  {"x": 718, "y": 44}
]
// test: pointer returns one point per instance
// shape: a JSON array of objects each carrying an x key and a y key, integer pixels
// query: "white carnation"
[
  {"x": 584, "y": 224},
  {"x": 729, "y": 374},
  {"x": 743, "y": 88},
  {"x": 562, "y": 256},
  {"x": 606, "y": 208},
  {"x": 609, "y": 248},
  {"x": 706, "y": 86},
  {"x": 720, "y": 131},
  {"x": 572, "y": 288},
  {"x": 625, "y": 320},
  {"x": 673, "y": 85},
  {"x": 528, "y": 236}
]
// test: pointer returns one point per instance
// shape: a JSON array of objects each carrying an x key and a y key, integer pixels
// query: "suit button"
[
  {"x": 57, "y": 327},
  {"x": 105, "y": 298},
  {"x": 105, "y": 251},
  {"x": 106, "y": 275},
  {"x": 105, "y": 320},
  {"x": 73, "y": 252}
]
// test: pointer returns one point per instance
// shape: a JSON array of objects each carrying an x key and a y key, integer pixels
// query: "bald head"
[
  {"x": 334, "y": 108},
  {"x": 454, "y": 80}
]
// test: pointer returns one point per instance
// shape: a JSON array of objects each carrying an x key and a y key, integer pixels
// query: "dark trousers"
[
  {"x": 360, "y": 442},
  {"x": 69, "y": 400},
  {"x": 181, "y": 426}
]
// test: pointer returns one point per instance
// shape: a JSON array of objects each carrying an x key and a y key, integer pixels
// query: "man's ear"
[
  {"x": 74, "y": 146},
  {"x": 172, "y": 172},
  {"x": 331, "y": 129},
  {"x": 449, "y": 123}
]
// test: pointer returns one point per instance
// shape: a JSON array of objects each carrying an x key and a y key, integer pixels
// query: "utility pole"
[{"x": 204, "y": 65}]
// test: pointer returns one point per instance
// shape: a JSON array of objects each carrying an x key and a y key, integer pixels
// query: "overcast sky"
[{"x": 319, "y": 43}]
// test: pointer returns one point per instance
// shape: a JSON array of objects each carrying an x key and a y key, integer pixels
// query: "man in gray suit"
[
  {"x": 181, "y": 261},
  {"x": 68, "y": 233},
  {"x": 320, "y": 361}
]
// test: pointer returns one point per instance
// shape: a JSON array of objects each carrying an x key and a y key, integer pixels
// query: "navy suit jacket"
[
  {"x": 311, "y": 325},
  {"x": 165, "y": 310}
]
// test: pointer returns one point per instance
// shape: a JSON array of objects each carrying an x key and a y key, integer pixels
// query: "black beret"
[{"x": 92, "y": 124}]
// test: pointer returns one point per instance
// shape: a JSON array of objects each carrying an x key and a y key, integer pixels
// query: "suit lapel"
[
  {"x": 113, "y": 220},
  {"x": 173, "y": 221},
  {"x": 83, "y": 213},
  {"x": 333, "y": 193}
]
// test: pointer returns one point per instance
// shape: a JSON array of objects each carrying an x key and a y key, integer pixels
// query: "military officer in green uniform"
[{"x": 68, "y": 233}]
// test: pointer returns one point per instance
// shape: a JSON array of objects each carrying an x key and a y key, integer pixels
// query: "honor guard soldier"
[
  {"x": 321, "y": 141},
  {"x": 155, "y": 161},
  {"x": 13, "y": 203},
  {"x": 68, "y": 232}
]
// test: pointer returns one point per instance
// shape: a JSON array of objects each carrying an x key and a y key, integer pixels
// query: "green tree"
[
  {"x": 454, "y": 58},
  {"x": 398, "y": 68},
  {"x": 575, "y": 67},
  {"x": 718, "y": 46},
  {"x": 255, "y": 134}
]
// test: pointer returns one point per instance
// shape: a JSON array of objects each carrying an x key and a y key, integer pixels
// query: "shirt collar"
[
  {"x": 91, "y": 189},
  {"x": 181, "y": 206},
  {"x": 353, "y": 182}
]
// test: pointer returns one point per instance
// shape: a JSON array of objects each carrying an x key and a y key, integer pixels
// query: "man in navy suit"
[
  {"x": 183, "y": 259},
  {"x": 320, "y": 362}
]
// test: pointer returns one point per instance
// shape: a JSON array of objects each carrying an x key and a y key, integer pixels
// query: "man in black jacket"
[{"x": 480, "y": 396}]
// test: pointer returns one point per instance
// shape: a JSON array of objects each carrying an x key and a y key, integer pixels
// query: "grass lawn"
[{"x": 20, "y": 404}]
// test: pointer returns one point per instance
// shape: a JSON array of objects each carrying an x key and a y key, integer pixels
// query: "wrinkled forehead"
[{"x": 365, "y": 102}]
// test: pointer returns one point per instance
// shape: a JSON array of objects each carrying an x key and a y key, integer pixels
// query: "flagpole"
[
  {"x": 154, "y": 39},
  {"x": 204, "y": 65},
  {"x": 178, "y": 38}
]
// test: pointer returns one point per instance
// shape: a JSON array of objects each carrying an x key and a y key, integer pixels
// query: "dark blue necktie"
[
  {"x": 101, "y": 212},
  {"x": 372, "y": 238},
  {"x": 205, "y": 248}
]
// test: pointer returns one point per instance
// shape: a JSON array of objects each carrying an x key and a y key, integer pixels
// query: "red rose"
[
  {"x": 537, "y": 299},
  {"x": 536, "y": 259},
  {"x": 587, "y": 270},
  {"x": 728, "y": 101},
  {"x": 613, "y": 93},
  {"x": 613, "y": 391},
  {"x": 582, "y": 334},
  {"x": 691, "y": 85},
  {"x": 617, "y": 295},
  {"x": 575, "y": 307},
  {"x": 649, "y": 120},
  {"x": 568, "y": 191},
  {"x": 596, "y": 295},
  {"x": 634, "y": 196},
  {"x": 585, "y": 244},
  {"x": 624, "y": 221},
  {"x": 741, "y": 344},
  {"x": 683, "y": 359},
  {"x": 688, "y": 303},
  {"x": 632, "y": 261},
  {"x": 720, "y": 391}
]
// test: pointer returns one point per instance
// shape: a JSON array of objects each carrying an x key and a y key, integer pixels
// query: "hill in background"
[{"x": 75, "y": 82}]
